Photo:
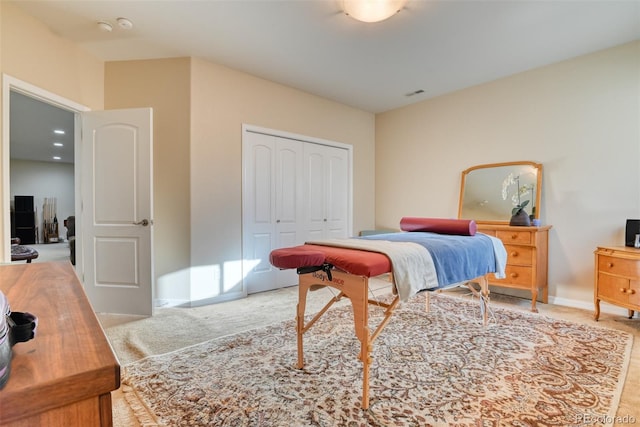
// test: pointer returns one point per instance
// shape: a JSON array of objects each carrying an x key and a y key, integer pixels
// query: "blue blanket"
[{"x": 456, "y": 258}]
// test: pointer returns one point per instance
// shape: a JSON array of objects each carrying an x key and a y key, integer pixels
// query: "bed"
[{"x": 429, "y": 254}]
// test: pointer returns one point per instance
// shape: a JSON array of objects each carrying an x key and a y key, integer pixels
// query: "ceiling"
[
  {"x": 31, "y": 130},
  {"x": 431, "y": 46}
]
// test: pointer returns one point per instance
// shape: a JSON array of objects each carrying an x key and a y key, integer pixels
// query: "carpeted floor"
[
  {"x": 50, "y": 252},
  {"x": 176, "y": 328}
]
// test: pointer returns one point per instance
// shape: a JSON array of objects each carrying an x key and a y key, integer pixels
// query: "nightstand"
[{"x": 617, "y": 278}]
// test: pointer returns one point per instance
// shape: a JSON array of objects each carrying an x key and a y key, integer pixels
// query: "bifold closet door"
[
  {"x": 294, "y": 191},
  {"x": 272, "y": 205},
  {"x": 326, "y": 181}
]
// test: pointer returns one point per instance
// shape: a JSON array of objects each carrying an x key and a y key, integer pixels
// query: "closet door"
[
  {"x": 337, "y": 197},
  {"x": 327, "y": 191},
  {"x": 272, "y": 207},
  {"x": 294, "y": 190}
]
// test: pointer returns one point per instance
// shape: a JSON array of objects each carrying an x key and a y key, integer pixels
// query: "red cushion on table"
[
  {"x": 295, "y": 257},
  {"x": 353, "y": 261},
  {"x": 463, "y": 227}
]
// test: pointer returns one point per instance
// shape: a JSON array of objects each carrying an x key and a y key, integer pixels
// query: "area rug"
[{"x": 436, "y": 368}]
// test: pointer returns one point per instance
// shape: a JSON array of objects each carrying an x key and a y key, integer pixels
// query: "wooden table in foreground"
[{"x": 65, "y": 375}]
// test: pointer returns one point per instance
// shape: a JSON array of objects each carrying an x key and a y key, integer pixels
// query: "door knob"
[{"x": 143, "y": 223}]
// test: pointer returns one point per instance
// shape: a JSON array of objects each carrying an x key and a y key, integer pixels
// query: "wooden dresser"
[
  {"x": 617, "y": 278},
  {"x": 64, "y": 376},
  {"x": 527, "y": 258}
]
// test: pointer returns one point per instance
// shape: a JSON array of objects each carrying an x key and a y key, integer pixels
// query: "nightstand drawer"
[
  {"x": 613, "y": 288},
  {"x": 517, "y": 275},
  {"x": 516, "y": 237},
  {"x": 619, "y": 266},
  {"x": 519, "y": 255}
]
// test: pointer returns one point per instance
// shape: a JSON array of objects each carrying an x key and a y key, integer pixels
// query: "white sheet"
[
  {"x": 413, "y": 268},
  {"x": 501, "y": 257}
]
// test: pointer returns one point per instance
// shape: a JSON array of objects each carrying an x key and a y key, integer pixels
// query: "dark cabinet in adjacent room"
[{"x": 24, "y": 220}]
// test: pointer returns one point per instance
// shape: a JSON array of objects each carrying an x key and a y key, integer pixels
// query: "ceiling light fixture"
[
  {"x": 57, "y": 158},
  {"x": 372, "y": 10},
  {"x": 58, "y": 144},
  {"x": 58, "y": 131},
  {"x": 105, "y": 26}
]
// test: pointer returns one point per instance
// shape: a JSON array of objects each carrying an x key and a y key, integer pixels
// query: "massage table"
[{"x": 347, "y": 265}]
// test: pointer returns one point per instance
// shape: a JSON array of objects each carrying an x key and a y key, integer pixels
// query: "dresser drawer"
[
  {"x": 634, "y": 292},
  {"x": 613, "y": 288},
  {"x": 519, "y": 255},
  {"x": 620, "y": 266},
  {"x": 517, "y": 275},
  {"x": 488, "y": 232},
  {"x": 514, "y": 237}
]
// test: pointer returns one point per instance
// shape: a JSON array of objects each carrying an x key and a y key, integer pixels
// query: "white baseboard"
[
  {"x": 166, "y": 303},
  {"x": 584, "y": 305},
  {"x": 193, "y": 287}
]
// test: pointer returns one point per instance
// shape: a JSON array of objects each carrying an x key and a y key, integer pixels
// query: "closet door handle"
[{"x": 143, "y": 223}]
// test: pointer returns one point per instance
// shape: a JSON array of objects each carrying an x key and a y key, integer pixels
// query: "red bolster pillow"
[{"x": 463, "y": 227}]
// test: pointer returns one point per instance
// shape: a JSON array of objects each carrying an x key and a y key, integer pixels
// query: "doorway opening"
[{"x": 39, "y": 166}]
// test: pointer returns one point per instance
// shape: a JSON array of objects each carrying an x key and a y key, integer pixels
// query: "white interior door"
[
  {"x": 272, "y": 204},
  {"x": 315, "y": 186},
  {"x": 327, "y": 191},
  {"x": 117, "y": 210},
  {"x": 337, "y": 196}
]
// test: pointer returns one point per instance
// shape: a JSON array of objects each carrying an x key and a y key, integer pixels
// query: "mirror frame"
[{"x": 466, "y": 172}]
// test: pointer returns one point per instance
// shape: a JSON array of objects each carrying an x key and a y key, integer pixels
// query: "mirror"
[{"x": 488, "y": 193}]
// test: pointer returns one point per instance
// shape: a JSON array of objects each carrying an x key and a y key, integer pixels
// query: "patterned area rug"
[{"x": 441, "y": 368}]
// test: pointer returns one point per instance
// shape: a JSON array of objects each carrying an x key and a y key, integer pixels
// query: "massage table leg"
[
  {"x": 302, "y": 302},
  {"x": 301, "y": 328},
  {"x": 356, "y": 288},
  {"x": 482, "y": 294}
]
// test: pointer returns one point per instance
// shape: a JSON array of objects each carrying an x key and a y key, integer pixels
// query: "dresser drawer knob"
[
  {"x": 623, "y": 290},
  {"x": 514, "y": 236},
  {"x": 610, "y": 264},
  {"x": 513, "y": 275},
  {"x": 514, "y": 253},
  {"x": 631, "y": 291}
]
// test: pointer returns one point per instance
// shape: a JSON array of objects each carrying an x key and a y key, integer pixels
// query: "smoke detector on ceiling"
[
  {"x": 105, "y": 26},
  {"x": 124, "y": 23}
]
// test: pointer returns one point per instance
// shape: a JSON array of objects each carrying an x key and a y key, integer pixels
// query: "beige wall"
[
  {"x": 31, "y": 53},
  {"x": 197, "y": 142},
  {"x": 164, "y": 85},
  {"x": 199, "y": 108},
  {"x": 3, "y": 215},
  {"x": 579, "y": 118},
  {"x": 222, "y": 100}
]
